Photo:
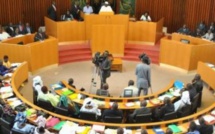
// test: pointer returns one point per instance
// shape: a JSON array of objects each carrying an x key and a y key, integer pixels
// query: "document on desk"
[
  {"x": 209, "y": 118},
  {"x": 129, "y": 104}
]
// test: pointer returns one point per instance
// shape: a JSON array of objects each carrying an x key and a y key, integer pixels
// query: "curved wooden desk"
[
  {"x": 121, "y": 100},
  {"x": 37, "y": 54},
  {"x": 21, "y": 74}
]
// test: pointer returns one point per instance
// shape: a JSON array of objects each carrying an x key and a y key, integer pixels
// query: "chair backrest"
[
  {"x": 1, "y": 111},
  {"x": 103, "y": 93},
  {"x": 5, "y": 126},
  {"x": 87, "y": 116},
  {"x": 170, "y": 116},
  {"x": 128, "y": 93},
  {"x": 14, "y": 131},
  {"x": 45, "y": 105},
  {"x": 184, "y": 111},
  {"x": 61, "y": 111},
  {"x": 194, "y": 104},
  {"x": 143, "y": 118},
  {"x": 113, "y": 119},
  {"x": 35, "y": 94}
]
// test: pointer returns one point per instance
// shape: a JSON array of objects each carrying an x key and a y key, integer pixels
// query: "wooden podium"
[{"x": 183, "y": 56}]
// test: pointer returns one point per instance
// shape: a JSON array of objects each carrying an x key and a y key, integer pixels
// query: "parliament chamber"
[{"x": 113, "y": 32}]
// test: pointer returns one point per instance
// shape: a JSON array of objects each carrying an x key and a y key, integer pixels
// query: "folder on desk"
[
  {"x": 59, "y": 125},
  {"x": 56, "y": 86},
  {"x": 174, "y": 128},
  {"x": 158, "y": 131},
  {"x": 67, "y": 92}
]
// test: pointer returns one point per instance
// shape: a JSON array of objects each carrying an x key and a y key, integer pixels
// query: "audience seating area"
[{"x": 21, "y": 75}]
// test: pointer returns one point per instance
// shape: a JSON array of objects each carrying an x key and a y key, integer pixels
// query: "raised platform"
[{"x": 81, "y": 51}]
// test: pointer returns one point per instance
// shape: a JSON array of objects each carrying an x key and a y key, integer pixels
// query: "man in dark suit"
[
  {"x": 28, "y": 29},
  {"x": 168, "y": 107},
  {"x": 76, "y": 10},
  {"x": 142, "y": 110},
  {"x": 184, "y": 30},
  {"x": 198, "y": 85},
  {"x": 52, "y": 11},
  {"x": 40, "y": 35},
  {"x": 105, "y": 67},
  {"x": 192, "y": 91},
  {"x": 21, "y": 27},
  {"x": 113, "y": 112},
  {"x": 10, "y": 30},
  {"x": 203, "y": 128}
]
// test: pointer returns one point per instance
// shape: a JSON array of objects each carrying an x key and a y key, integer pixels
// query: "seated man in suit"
[
  {"x": 68, "y": 16},
  {"x": 184, "y": 30},
  {"x": 10, "y": 29},
  {"x": 40, "y": 35},
  {"x": 27, "y": 29},
  {"x": 132, "y": 87},
  {"x": 142, "y": 110},
  {"x": 169, "y": 131},
  {"x": 113, "y": 112},
  {"x": 103, "y": 91},
  {"x": 168, "y": 107},
  {"x": 203, "y": 128}
]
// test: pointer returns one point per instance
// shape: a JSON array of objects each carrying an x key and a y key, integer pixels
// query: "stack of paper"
[
  {"x": 15, "y": 103},
  {"x": 129, "y": 104},
  {"x": 165, "y": 95},
  {"x": 99, "y": 103},
  {"x": 69, "y": 128},
  {"x": 6, "y": 95},
  {"x": 155, "y": 101},
  {"x": 98, "y": 128},
  {"x": 209, "y": 118},
  {"x": 6, "y": 90},
  {"x": 213, "y": 112},
  {"x": 83, "y": 130},
  {"x": 210, "y": 65}
]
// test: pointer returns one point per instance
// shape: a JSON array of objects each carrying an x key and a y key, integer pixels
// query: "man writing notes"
[{"x": 143, "y": 74}]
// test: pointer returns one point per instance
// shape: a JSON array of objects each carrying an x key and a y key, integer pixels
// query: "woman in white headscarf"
[
  {"x": 37, "y": 83},
  {"x": 90, "y": 106}
]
